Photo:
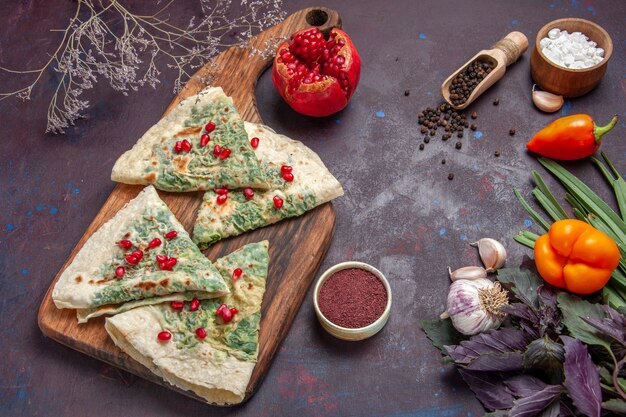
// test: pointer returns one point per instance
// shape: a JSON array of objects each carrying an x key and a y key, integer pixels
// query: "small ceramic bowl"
[
  {"x": 564, "y": 81},
  {"x": 345, "y": 333}
]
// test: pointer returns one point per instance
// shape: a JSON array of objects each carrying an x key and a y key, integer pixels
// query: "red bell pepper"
[{"x": 570, "y": 137}]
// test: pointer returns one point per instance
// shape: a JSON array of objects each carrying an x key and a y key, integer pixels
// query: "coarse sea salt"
[{"x": 571, "y": 50}]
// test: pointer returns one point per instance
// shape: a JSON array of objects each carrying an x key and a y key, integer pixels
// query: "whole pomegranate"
[{"x": 315, "y": 76}]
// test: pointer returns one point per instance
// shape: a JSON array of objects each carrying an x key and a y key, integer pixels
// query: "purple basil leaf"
[
  {"x": 567, "y": 410},
  {"x": 488, "y": 388},
  {"x": 523, "y": 385},
  {"x": 608, "y": 327},
  {"x": 546, "y": 357},
  {"x": 544, "y": 403},
  {"x": 494, "y": 341},
  {"x": 547, "y": 295},
  {"x": 524, "y": 282},
  {"x": 497, "y": 362},
  {"x": 582, "y": 379}
]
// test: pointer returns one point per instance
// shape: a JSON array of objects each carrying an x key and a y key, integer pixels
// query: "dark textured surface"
[{"x": 400, "y": 212}]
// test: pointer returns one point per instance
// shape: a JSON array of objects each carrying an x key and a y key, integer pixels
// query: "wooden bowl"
[
  {"x": 352, "y": 334},
  {"x": 564, "y": 81}
]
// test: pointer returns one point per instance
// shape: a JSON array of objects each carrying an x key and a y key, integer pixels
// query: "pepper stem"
[{"x": 599, "y": 131}]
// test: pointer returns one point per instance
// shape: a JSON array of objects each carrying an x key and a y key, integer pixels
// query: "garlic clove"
[
  {"x": 547, "y": 102},
  {"x": 491, "y": 252},
  {"x": 467, "y": 272}
]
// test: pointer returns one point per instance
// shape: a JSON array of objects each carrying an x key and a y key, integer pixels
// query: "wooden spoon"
[{"x": 505, "y": 52}]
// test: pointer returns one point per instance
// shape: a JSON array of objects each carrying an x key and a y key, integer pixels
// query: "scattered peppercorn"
[
  {"x": 406, "y": 92},
  {"x": 451, "y": 176},
  {"x": 421, "y": 146},
  {"x": 512, "y": 132},
  {"x": 443, "y": 162},
  {"x": 460, "y": 134},
  {"x": 497, "y": 153},
  {"x": 473, "y": 126},
  {"x": 496, "y": 102},
  {"x": 426, "y": 139},
  {"x": 474, "y": 115},
  {"x": 458, "y": 145}
]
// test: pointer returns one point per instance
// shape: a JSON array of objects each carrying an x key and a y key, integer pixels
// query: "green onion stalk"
[{"x": 588, "y": 207}]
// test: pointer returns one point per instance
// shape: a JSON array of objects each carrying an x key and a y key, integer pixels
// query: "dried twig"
[{"x": 104, "y": 39}]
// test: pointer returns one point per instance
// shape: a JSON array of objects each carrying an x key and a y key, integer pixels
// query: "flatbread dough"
[
  {"x": 218, "y": 367},
  {"x": 153, "y": 159},
  {"x": 313, "y": 185},
  {"x": 90, "y": 280}
]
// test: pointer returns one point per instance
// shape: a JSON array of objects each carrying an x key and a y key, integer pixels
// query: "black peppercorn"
[
  {"x": 512, "y": 132},
  {"x": 421, "y": 146},
  {"x": 496, "y": 102},
  {"x": 458, "y": 145},
  {"x": 450, "y": 176},
  {"x": 407, "y": 92}
]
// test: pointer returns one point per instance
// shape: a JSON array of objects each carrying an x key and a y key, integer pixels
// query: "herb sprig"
[{"x": 560, "y": 354}]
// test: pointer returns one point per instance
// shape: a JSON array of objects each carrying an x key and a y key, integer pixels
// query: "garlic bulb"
[
  {"x": 547, "y": 102},
  {"x": 467, "y": 272},
  {"x": 474, "y": 305},
  {"x": 491, "y": 252}
]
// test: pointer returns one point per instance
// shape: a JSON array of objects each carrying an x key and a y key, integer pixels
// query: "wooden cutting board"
[{"x": 297, "y": 245}]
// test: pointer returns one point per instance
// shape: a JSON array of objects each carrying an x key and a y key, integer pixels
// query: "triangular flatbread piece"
[
  {"x": 217, "y": 367},
  {"x": 174, "y": 265},
  {"x": 155, "y": 160},
  {"x": 312, "y": 185}
]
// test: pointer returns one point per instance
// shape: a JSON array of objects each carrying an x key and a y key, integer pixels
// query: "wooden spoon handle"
[
  {"x": 240, "y": 85},
  {"x": 513, "y": 46}
]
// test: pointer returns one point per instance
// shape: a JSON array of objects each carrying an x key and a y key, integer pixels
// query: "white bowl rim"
[{"x": 350, "y": 265}]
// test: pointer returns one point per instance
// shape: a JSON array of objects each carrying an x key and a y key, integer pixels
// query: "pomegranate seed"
[
  {"x": 285, "y": 169},
  {"x": 120, "y": 271},
  {"x": 177, "y": 305},
  {"x": 186, "y": 145},
  {"x": 170, "y": 263},
  {"x": 200, "y": 333},
  {"x": 132, "y": 260},
  {"x": 221, "y": 199},
  {"x": 154, "y": 243},
  {"x": 227, "y": 315},
  {"x": 216, "y": 150},
  {"x": 194, "y": 305},
  {"x": 178, "y": 147},
  {"x": 225, "y": 153},
  {"x": 220, "y": 309},
  {"x": 278, "y": 202},
  {"x": 137, "y": 254},
  {"x": 210, "y": 127},
  {"x": 237, "y": 274},
  {"x": 125, "y": 244},
  {"x": 171, "y": 235},
  {"x": 248, "y": 193},
  {"x": 162, "y": 266},
  {"x": 288, "y": 177},
  {"x": 234, "y": 311},
  {"x": 161, "y": 258},
  {"x": 254, "y": 142},
  {"x": 164, "y": 336},
  {"x": 204, "y": 139},
  {"x": 221, "y": 191}
]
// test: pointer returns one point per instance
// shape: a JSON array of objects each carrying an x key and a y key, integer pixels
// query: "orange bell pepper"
[{"x": 576, "y": 256}]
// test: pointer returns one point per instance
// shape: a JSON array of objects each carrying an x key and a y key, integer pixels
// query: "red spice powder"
[{"x": 352, "y": 298}]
